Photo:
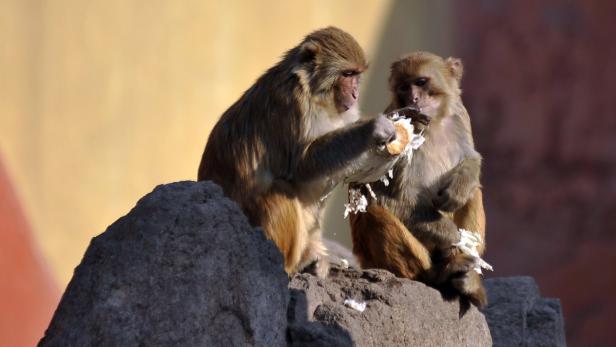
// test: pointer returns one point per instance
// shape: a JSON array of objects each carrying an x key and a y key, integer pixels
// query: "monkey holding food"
[
  {"x": 290, "y": 138},
  {"x": 413, "y": 226}
]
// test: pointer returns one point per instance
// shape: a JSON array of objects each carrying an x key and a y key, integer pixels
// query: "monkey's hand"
[
  {"x": 418, "y": 119},
  {"x": 383, "y": 131},
  {"x": 456, "y": 187},
  {"x": 405, "y": 112},
  {"x": 435, "y": 231}
]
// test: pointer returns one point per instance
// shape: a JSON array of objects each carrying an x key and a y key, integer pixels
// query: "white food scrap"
[
  {"x": 344, "y": 263},
  {"x": 358, "y": 306},
  {"x": 468, "y": 244},
  {"x": 357, "y": 202},
  {"x": 385, "y": 181},
  {"x": 369, "y": 187}
]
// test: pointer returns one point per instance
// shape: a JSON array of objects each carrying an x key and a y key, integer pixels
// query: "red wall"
[
  {"x": 541, "y": 89},
  {"x": 28, "y": 296}
]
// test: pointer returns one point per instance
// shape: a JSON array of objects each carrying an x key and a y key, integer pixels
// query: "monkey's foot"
[{"x": 319, "y": 268}]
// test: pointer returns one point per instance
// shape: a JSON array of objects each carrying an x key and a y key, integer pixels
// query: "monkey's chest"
[{"x": 429, "y": 165}]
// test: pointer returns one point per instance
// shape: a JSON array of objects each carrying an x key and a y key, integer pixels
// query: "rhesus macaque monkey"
[
  {"x": 292, "y": 136},
  {"x": 411, "y": 228}
]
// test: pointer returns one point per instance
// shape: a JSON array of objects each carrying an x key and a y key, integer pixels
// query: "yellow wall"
[{"x": 102, "y": 100}]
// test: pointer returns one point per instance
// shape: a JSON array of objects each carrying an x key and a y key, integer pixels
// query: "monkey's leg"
[
  {"x": 469, "y": 285},
  {"x": 282, "y": 221},
  {"x": 380, "y": 240},
  {"x": 456, "y": 187},
  {"x": 457, "y": 272},
  {"x": 314, "y": 257},
  {"x": 472, "y": 217}
]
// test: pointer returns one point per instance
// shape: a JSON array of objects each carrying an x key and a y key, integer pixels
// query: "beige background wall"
[{"x": 102, "y": 100}]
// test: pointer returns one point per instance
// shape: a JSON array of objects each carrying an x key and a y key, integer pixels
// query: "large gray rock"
[
  {"x": 519, "y": 316},
  {"x": 399, "y": 312},
  {"x": 183, "y": 268}
]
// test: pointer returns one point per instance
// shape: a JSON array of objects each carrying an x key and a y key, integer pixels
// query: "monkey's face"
[
  {"x": 332, "y": 63},
  {"x": 346, "y": 90},
  {"x": 426, "y": 81},
  {"x": 418, "y": 91}
]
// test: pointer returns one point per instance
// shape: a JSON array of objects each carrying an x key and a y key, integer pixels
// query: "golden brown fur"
[
  {"x": 435, "y": 193},
  {"x": 291, "y": 138}
]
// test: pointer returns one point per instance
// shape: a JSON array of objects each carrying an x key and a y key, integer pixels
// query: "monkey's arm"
[
  {"x": 457, "y": 186},
  {"x": 472, "y": 217},
  {"x": 433, "y": 229},
  {"x": 336, "y": 150}
]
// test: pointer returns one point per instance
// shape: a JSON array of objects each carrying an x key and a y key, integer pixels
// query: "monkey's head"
[
  {"x": 329, "y": 63},
  {"x": 427, "y": 81}
]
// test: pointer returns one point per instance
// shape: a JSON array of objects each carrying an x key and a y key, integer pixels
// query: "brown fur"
[
  {"x": 435, "y": 193},
  {"x": 279, "y": 148},
  {"x": 396, "y": 249}
]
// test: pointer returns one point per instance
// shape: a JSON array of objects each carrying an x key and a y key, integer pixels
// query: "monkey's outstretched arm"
[
  {"x": 335, "y": 151},
  {"x": 457, "y": 186}
]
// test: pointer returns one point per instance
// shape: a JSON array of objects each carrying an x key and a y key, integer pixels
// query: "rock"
[
  {"x": 336, "y": 253},
  {"x": 399, "y": 312},
  {"x": 183, "y": 268},
  {"x": 519, "y": 316}
]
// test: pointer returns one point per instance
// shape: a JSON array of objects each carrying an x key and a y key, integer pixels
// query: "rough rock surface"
[
  {"x": 519, "y": 316},
  {"x": 399, "y": 312},
  {"x": 183, "y": 268}
]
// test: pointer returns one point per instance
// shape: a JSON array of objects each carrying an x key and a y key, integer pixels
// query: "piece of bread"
[{"x": 404, "y": 132}]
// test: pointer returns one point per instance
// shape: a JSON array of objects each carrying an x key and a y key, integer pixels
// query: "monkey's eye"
[
  {"x": 349, "y": 73},
  {"x": 420, "y": 82},
  {"x": 404, "y": 87}
]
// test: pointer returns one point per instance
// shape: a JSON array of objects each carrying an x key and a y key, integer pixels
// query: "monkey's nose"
[{"x": 354, "y": 95}]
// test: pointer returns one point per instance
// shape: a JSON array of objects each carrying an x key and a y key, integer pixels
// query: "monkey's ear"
[
  {"x": 307, "y": 51},
  {"x": 455, "y": 67}
]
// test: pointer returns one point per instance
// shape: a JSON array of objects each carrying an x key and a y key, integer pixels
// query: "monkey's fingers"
[
  {"x": 405, "y": 112},
  {"x": 422, "y": 119}
]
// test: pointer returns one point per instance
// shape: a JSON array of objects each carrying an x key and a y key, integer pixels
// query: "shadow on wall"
[{"x": 410, "y": 26}]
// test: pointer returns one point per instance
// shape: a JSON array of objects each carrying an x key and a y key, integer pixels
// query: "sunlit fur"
[
  {"x": 275, "y": 150},
  {"x": 435, "y": 193}
]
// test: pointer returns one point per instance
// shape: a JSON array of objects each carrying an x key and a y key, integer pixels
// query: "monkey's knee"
[{"x": 380, "y": 240}]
